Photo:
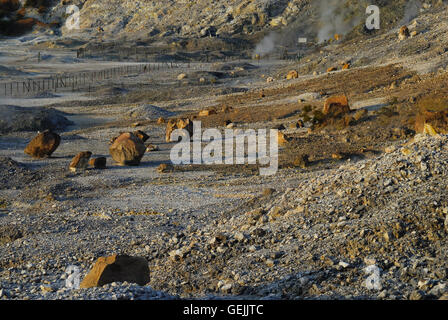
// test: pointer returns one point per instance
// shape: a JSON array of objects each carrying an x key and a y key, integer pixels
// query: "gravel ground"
[{"x": 311, "y": 239}]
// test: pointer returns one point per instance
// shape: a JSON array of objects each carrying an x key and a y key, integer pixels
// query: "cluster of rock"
[{"x": 126, "y": 149}]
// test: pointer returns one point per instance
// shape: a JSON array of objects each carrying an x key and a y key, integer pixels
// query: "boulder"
[
  {"x": 98, "y": 163},
  {"x": 43, "y": 145},
  {"x": 404, "y": 33},
  {"x": 282, "y": 138},
  {"x": 117, "y": 268},
  {"x": 293, "y": 74},
  {"x": 80, "y": 161},
  {"x": 336, "y": 105},
  {"x": 127, "y": 149}
]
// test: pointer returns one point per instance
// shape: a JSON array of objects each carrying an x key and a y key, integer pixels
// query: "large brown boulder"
[
  {"x": 43, "y": 145},
  {"x": 127, "y": 149},
  {"x": 437, "y": 120},
  {"x": 336, "y": 105},
  {"x": 173, "y": 124},
  {"x": 117, "y": 268}
]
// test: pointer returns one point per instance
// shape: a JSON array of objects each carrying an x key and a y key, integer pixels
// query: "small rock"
[
  {"x": 206, "y": 113},
  {"x": 406, "y": 151},
  {"x": 46, "y": 289},
  {"x": 302, "y": 161},
  {"x": 390, "y": 149},
  {"x": 226, "y": 288},
  {"x": 270, "y": 263},
  {"x": 239, "y": 236},
  {"x": 268, "y": 191},
  {"x": 80, "y": 161},
  {"x": 417, "y": 295},
  {"x": 403, "y": 33},
  {"x": 141, "y": 135},
  {"x": 165, "y": 167},
  {"x": 98, "y": 163},
  {"x": 151, "y": 148},
  {"x": 293, "y": 74},
  {"x": 176, "y": 255}
]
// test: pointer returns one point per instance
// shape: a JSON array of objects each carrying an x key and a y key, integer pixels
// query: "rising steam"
[
  {"x": 337, "y": 17},
  {"x": 267, "y": 45},
  {"x": 411, "y": 11}
]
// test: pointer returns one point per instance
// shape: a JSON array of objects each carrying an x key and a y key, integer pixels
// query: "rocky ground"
[{"x": 371, "y": 194}]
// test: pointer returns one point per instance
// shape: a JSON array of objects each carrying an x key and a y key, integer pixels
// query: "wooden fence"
[{"x": 76, "y": 81}]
